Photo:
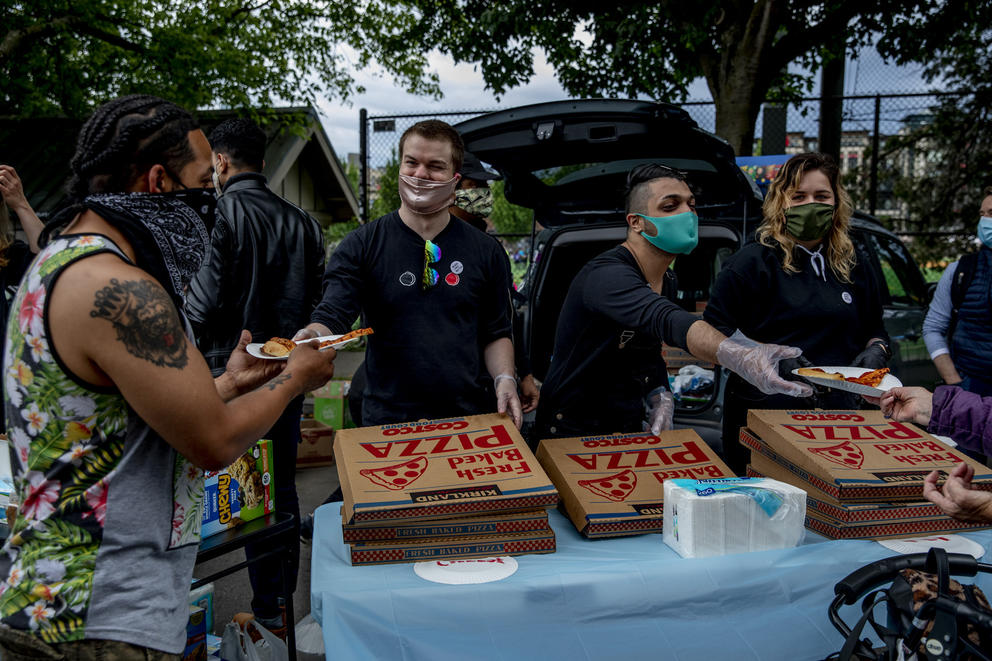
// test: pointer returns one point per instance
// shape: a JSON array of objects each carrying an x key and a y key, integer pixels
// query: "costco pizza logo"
[
  {"x": 846, "y": 454},
  {"x": 398, "y": 476},
  {"x": 614, "y": 487}
]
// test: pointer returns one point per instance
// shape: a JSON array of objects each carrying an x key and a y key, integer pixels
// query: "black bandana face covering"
[{"x": 178, "y": 223}]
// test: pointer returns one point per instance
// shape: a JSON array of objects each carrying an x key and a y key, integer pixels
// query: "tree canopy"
[
  {"x": 940, "y": 167},
  {"x": 66, "y": 56},
  {"x": 655, "y": 48}
]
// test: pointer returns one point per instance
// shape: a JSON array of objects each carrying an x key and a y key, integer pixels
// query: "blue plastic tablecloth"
[{"x": 626, "y": 598}]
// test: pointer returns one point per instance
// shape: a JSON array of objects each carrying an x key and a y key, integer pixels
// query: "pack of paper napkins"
[{"x": 732, "y": 515}]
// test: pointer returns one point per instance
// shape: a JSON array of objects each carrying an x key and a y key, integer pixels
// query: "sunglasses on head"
[
  {"x": 432, "y": 255},
  {"x": 649, "y": 171}
]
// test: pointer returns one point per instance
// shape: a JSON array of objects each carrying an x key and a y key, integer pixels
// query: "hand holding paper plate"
[
  {"x": 844, "y": 378},
  {"x": 280, "y": 348}
]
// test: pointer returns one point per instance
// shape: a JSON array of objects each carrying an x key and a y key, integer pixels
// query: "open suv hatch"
[{"x": 568, "y": 161}]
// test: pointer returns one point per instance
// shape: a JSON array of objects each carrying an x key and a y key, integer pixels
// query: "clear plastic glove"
[
  {"x": 507, "y": 400},
  {"x": 661, "y": 409},
  {"x": 305, "y": 334},
  {"x": 757, "y": 364}
]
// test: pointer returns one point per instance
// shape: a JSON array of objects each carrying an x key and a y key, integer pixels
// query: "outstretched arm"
[
  {"x": 755, "y": 362},
  {"x": 113, "y": 325},
  {"x": 907, "y": 404}
]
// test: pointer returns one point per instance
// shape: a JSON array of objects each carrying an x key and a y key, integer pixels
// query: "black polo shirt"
[
  {"x": 607, "y": 352},
  {"x": 830, "y": 320},
  {"x": 425, "y": 358}
]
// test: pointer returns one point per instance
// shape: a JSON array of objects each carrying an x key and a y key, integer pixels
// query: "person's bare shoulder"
[{"x": 104, "y": 312}]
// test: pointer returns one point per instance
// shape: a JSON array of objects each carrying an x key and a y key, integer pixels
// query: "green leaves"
[
  {"x": 508, "y": 218},
  {"x": 65, "y": 57},
  {"x": 386, "y": 189}
]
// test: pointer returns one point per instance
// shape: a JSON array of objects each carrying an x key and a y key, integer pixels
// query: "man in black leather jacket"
[{"x": 264, "y": 274}]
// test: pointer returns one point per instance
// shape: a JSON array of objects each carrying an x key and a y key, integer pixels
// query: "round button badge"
[
  {"x": 452, "y": 279},
  {"x": 846, "y": 297},
  {"x": 407, "y": 279},
  {"x": 457, "y": 267}
]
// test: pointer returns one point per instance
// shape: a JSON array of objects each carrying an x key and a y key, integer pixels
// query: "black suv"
[{"x": 568, "y": 162}]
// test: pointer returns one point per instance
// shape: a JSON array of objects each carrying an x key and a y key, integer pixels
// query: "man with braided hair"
[{"x": 111, "y": 409}]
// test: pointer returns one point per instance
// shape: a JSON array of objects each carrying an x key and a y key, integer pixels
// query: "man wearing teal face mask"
[
  {"x": 958, "y": 327},
  {"x": 607, "y": 374},
  {"x": 801, "y": 283}
]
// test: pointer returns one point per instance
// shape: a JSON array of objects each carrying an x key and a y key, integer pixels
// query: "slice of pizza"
[
  {"x": 278, "y": 346},
  {"x": 398, "y": 476},
  {"x": 614, "y": 487},
  {"x": 871, "y": 379},
  {"x": 846, "y": 454},
  {"x": 358, "y": 332},
  {"x": 817, "y": 373}
]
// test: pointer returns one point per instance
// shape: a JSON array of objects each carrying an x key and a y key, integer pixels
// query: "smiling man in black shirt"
[
  {"x": 434, "y": 291},
  {"x": 607, "y": 374}
]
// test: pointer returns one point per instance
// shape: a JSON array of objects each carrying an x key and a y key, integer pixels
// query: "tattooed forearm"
[
  {"x": 145, "y": 320},
  {"x": 277, "y": 381}
]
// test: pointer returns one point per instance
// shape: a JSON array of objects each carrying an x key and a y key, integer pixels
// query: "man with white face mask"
[
  {"x": 958, "y": 327},
  {"x": 434, "y": 291}
]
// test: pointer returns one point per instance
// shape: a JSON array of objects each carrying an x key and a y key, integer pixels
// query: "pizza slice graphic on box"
[
  {"x": 846, "y": 454},
  {"x": 397, "y": 476},
  {"x": 615, "y": 487}
]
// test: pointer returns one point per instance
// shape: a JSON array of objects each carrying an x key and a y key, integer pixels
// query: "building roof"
[{"x": 300, "y": 161}]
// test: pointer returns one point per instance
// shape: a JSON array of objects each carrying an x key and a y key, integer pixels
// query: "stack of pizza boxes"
[
  {"x": 436, "y": 489},
  {"x": 613, "y": 485},
  {"x": 863, "y": 473}
]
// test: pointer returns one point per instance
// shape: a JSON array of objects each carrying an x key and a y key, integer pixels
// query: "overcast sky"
[{"x": 464, "y": 90}]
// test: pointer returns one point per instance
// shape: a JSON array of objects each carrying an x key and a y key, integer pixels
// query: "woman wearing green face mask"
[{"x": 801, "y": 283}]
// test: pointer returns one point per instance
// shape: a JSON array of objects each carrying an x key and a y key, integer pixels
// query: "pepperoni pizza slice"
[
  {"x": 846, "y": 454},
  {"x": 398, "y": 476},
  {"x": 614, "y": 487}
]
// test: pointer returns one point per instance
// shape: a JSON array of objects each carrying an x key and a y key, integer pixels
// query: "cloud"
[{"x": 463, "y": 88}]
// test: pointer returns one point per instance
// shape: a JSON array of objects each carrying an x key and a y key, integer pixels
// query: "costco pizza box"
[
  {"x": 612, "y": 485},
  {"x": 316, "y": 446},
  {"x": 241, "y": 492},
  {"x": 467, "y": 526},
  {"x": 880, "y": 530},
  {"x": 855, "y": 455},
  {"x": 843, "y": 512},
  {"x": 438, "y": 469},
  {"x": 393, "y": 551}
]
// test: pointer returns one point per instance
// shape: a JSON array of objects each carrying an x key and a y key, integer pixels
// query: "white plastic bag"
[
  {"x": 236, "y": 644},
  {"x": 309, "y": 636}
]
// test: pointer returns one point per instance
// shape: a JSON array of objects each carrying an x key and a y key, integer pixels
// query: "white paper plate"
[
  {"x": 461, "y": 572},
  {"x": 888, "y": 381},
  {"x": 255, "y": 348},
  {"x": 950, "y": 543}
]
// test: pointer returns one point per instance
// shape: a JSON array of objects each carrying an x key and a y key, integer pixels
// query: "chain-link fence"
[{"x": 883, "y": 152}]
